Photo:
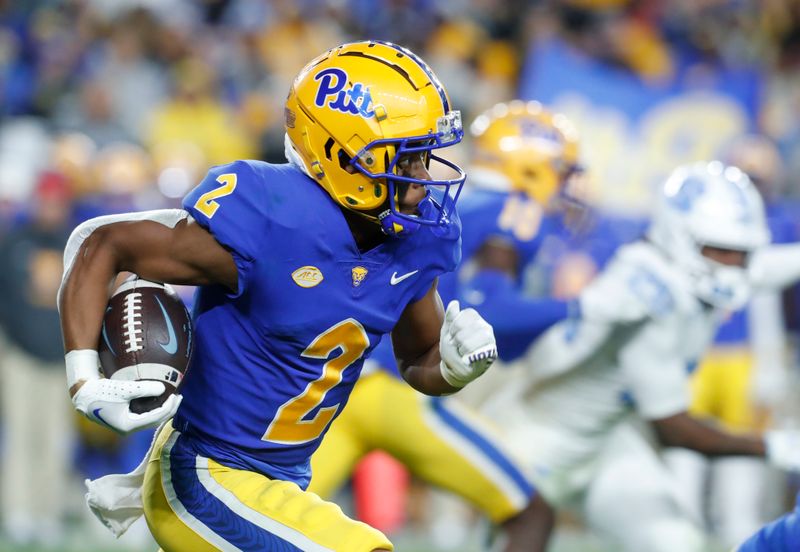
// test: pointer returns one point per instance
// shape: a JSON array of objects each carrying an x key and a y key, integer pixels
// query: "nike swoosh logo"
[
  {"x": 96, "y": 414},
  {"x": 397, "y": 279},
  {"x": 105, "y": 337},
  {"x": 171, "y": 346}
]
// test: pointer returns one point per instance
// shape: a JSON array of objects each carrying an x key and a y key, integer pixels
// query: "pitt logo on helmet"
[
  {"x": 355, "y": 100},
  {"x": 355, "y": 112}
]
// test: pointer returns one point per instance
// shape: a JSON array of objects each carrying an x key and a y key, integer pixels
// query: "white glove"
[
  {"x": 466, "y": 345},
  {"x": 783, "y": 448},
  {"x": 107, "y": 401}
]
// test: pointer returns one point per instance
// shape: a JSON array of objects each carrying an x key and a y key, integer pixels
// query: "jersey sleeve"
[
  {"x": 782, "y": 535},
  {"x": 626, "y": 293},
  {"x": 653, "y": 369},
  {"x": 229, "y": 204}
]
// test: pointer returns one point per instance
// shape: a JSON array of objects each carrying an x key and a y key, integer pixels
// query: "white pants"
[
  {"x": 632, "y": 499},
  {"x": 734, "y": 491},
  {"x": 38, "y": 434}
]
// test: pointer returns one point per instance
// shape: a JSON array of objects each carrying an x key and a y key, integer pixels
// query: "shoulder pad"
[
  {"x": 229, "y": 203},
  {"x": 630, "y": 289},
  {"x": 653, "y": 293},
  {"x": 649, "y": 279}
]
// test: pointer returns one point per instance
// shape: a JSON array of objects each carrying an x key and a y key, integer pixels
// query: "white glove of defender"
[
  {"x": 466, "y": 344},
  {"x": 783, "y": 448},
  {"x": 107, "y": 401}
]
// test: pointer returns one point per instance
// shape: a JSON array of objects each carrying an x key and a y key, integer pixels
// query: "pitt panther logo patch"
[
  {"x": 336, "y": 94},
  {"x": 359, "y": 273}
]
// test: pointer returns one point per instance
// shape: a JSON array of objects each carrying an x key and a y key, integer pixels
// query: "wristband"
[
  {"x": 449, "y": 377},
  {"x": 82, "y": 364}
]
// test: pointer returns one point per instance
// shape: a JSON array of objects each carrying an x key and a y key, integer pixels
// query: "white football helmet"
[{"x": 710, "y": 204}]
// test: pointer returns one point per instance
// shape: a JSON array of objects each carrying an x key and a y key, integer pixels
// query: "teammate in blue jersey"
[
  {"x": 526, "y": 185},
  {"x": 301, "y": 269},
  {"x": 782, "y": 535},
  {"x": 525, "y": 157}
]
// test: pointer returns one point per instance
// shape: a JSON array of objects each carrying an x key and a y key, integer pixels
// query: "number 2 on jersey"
[
  {"x": 290, "y": 425},
  {"x": 206, "y": 203}
]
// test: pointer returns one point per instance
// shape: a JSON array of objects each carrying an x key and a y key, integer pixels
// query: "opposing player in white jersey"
[
  {"x": 647, "y": 318},
  {"x": 744, "y": 383}
]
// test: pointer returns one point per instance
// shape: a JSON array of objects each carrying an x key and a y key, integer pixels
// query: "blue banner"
[{"x": 633, "y": 132}]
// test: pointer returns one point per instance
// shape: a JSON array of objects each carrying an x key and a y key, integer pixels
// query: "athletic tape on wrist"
[
  {"x": 82, "y": 364},
  {"x": 449, "y": 377}
]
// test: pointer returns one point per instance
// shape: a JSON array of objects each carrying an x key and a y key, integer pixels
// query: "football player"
[
  {"x": 648, "y": 316},
  {"x": 526, "y": 184},
  {"x": 301, "y": 268},
  {"x": 742, "y": 378},
  {"x": 524, "y": 159},
  {"x": 782, "y": 535}
]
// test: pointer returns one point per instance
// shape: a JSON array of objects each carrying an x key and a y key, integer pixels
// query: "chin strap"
[{"x": 392, "y": 225}]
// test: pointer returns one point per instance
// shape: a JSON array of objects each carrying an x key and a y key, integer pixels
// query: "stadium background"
[{"x": 111, "y": 106}]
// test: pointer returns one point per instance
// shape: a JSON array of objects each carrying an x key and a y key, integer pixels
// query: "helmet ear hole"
[
  {"x": 344, "y": 159},
  {"x": 328, "y": 147}
]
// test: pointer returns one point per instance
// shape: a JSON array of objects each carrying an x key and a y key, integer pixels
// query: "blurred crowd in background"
[{"x": 110, "y": 106}]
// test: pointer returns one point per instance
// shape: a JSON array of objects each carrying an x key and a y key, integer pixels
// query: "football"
[{"x": 146, "y": 335}]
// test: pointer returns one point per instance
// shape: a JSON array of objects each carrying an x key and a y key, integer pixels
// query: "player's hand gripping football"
[
  {"x": 466, "y": 344},
  {"x": 107, "y": 401}
]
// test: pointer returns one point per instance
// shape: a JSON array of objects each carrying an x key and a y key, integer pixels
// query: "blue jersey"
[
  {"x": 275, "y": 360},
  {"x": 512, "y": 217},
  {"x": 523, "y": 224},
  {"x": 782, "y": 535}
]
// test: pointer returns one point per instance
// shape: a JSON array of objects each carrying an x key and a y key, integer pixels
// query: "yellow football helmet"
[
  {"x": 523, "y": 146},
  {"x": 354, "y": 111}
]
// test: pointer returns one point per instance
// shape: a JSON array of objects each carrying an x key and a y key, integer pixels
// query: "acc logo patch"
[
  {"x": 359, "y": 273},
  {"x": 307, "y": 276}
]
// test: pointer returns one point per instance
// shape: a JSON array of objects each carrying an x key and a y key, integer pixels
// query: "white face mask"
[{"x": 722, "y": 286}]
